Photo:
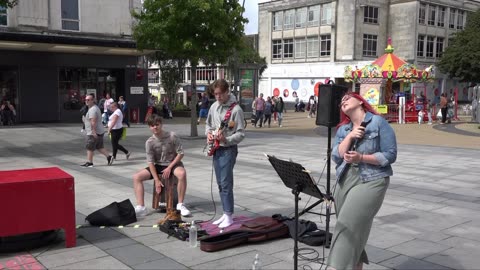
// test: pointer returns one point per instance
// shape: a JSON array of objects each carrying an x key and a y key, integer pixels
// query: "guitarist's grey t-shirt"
[
  {"x": 162, "y": 151},
  {"x": 235, "y": 133}
]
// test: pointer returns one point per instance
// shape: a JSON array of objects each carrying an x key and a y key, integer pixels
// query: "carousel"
[{"x": 386, "y": 84}]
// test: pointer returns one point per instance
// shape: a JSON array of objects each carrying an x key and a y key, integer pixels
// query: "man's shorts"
[
  {"x": 93, "y": 143},
  {"x": 160, "y": 168},
  {"x": 203, "y": 113}
]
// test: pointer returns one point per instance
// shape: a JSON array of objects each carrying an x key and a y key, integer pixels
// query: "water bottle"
[
  {"x": 192, "y": 235},
  {"x": 256, "y": 263}
]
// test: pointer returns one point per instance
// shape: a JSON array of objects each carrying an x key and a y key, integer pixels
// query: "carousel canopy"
[{"x": 390, "y": 67}]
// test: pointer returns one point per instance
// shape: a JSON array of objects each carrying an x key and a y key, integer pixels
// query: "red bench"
[{"x": 35, "y": 200}]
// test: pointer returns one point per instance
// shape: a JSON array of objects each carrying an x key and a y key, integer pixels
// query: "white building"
[{"x": 308, "y": 41}]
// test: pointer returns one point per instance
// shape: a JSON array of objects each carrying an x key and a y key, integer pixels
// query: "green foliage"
[
  {"x": 8, "y": 3},
  {"x": 192, "y": 30},
  {"x": 180, "y": 107},
  {"x": 461, "y": 59}
]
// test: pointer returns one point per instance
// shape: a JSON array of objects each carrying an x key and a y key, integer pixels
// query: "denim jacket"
[{"x": 379, "y": 140}]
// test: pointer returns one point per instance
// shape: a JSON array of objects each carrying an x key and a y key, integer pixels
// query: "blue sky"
[{"x": 251, "y": 13}]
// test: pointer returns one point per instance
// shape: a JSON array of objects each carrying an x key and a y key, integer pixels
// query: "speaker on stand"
[{"x": 328, "y": 114}]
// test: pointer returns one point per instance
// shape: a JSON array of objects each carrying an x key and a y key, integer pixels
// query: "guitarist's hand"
[{"x": 210, "y": 137}]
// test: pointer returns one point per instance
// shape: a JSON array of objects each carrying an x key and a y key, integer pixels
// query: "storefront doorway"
[{"x": 75, "y": 83}]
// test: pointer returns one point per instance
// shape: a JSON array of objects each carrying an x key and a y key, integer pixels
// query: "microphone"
[{"x": 354, "y": 145}]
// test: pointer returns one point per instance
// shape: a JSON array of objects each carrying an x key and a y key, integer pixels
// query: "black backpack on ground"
[{"x": 114, "y": 214}]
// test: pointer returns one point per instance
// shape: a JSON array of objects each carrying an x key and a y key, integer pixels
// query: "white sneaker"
[
  {"x": 183, "y": 210},
  {"x": 140, "y": 211}
]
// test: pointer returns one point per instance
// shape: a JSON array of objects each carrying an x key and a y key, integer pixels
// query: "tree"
[
  {"x": 8, "y": 3},
  {"x": 192, "y": 30},
  {"x": 461, "y": 59}
]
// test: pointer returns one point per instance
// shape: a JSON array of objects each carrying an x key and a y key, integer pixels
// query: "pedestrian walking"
[
  {"x": 116, "y": 129},
  {"x": 94, "y": 131}
]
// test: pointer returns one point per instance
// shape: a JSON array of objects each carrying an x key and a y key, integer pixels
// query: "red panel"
[{"x": 36, "y": 200}]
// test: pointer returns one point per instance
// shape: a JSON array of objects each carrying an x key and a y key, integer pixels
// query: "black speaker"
[{"x": 328, "y": 108}]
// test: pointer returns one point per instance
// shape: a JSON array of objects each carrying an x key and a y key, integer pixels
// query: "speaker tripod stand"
[
  {"x": 328, "y": 114},
  {"x": 328, "y": 194}
]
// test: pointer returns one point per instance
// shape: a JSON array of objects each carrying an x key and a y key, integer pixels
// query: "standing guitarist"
[{"x": 225, "y": 110}]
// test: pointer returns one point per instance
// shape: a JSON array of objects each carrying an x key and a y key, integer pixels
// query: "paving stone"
[
  {"x": 377, "y": 255},
  {"x": 109, "y": 243},
  {"x": 418, "y": 248},
  {"x": 456, "y": 259},
  {"x": 405, "y": 262},
  {"x": 239, "y": 261},
  {"x": 164, "y": 263},
  {"x": 180, "y": 252},
  {"x": 95, "y": 233},
  {"x": 106, "y": 262},
  {"x": 134, "y": 254},
  {"x": 70, "y": 256}
]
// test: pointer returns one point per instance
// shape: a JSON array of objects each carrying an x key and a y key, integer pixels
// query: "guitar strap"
[{"x": 228, "y": 113}]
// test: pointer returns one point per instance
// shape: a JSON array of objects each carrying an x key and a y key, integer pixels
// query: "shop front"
[{"x": 51, "y": 87}]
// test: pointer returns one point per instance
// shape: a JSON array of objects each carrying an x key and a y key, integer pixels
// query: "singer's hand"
[
  {"x": 352, "y": 157},
  {"x": 358, "y": 132}
]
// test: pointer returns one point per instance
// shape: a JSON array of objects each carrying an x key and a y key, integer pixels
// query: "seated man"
[{"x": 164, "y": 155}]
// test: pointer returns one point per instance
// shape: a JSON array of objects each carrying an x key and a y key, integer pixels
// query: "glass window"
[
  {"x": 8, "y": 87},
  {"x": 70, "y": 18},
  {"x": 300, "y": 48},
  {"x": 277, "y": 49},
  {"x": 421, "y": 46},
  {"x": 325, "y": 43},
  {"x": 430, "y": 43},
  {"x": 277, "y": 20},
  {"x": 451, "y": 21},
  {"x": 370, "y": 14},
  {"x": 431, "y": 14},
  {"x": 369, "y": 45},
  {"x": 439, "y": 48},
  {"x": 312, "y": 47},
  {"x": 3, "y": 16},
  {"x": 460, "y": 19},
  {"x": 326, "y": 14},
  {"x": 288, "y": 48},
  {"x": 313, "y": 15},
  {"x": 301, "y": 18},
  {"x": 289, "y": 18},
  {"x": 421, "y": 14},
  {"x": 441, "y": 17}
]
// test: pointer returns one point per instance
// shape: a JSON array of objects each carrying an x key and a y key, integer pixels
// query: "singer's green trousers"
[{"x": 356, "y": 204}]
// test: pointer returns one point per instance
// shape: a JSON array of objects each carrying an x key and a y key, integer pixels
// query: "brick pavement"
[{"x": 429, "y": 220}]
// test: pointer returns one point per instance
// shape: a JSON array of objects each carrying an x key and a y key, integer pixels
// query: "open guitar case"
[{"x": 256, "y": 230}]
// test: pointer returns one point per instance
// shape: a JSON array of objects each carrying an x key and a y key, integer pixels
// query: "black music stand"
[{"x": 295, "y": 177}]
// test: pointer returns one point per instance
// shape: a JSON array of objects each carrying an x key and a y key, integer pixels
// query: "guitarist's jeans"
[{"x": 223, "y": 162}]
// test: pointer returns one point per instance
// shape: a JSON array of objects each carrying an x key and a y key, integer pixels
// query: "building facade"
[
  {"x": 307, "y": 42},
  {"x": 54, "y": 52}
]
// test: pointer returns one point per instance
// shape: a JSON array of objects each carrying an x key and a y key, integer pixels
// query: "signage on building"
[
  {"x": 93, "y": 92},
  {"x": 136, "y": 90}
]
